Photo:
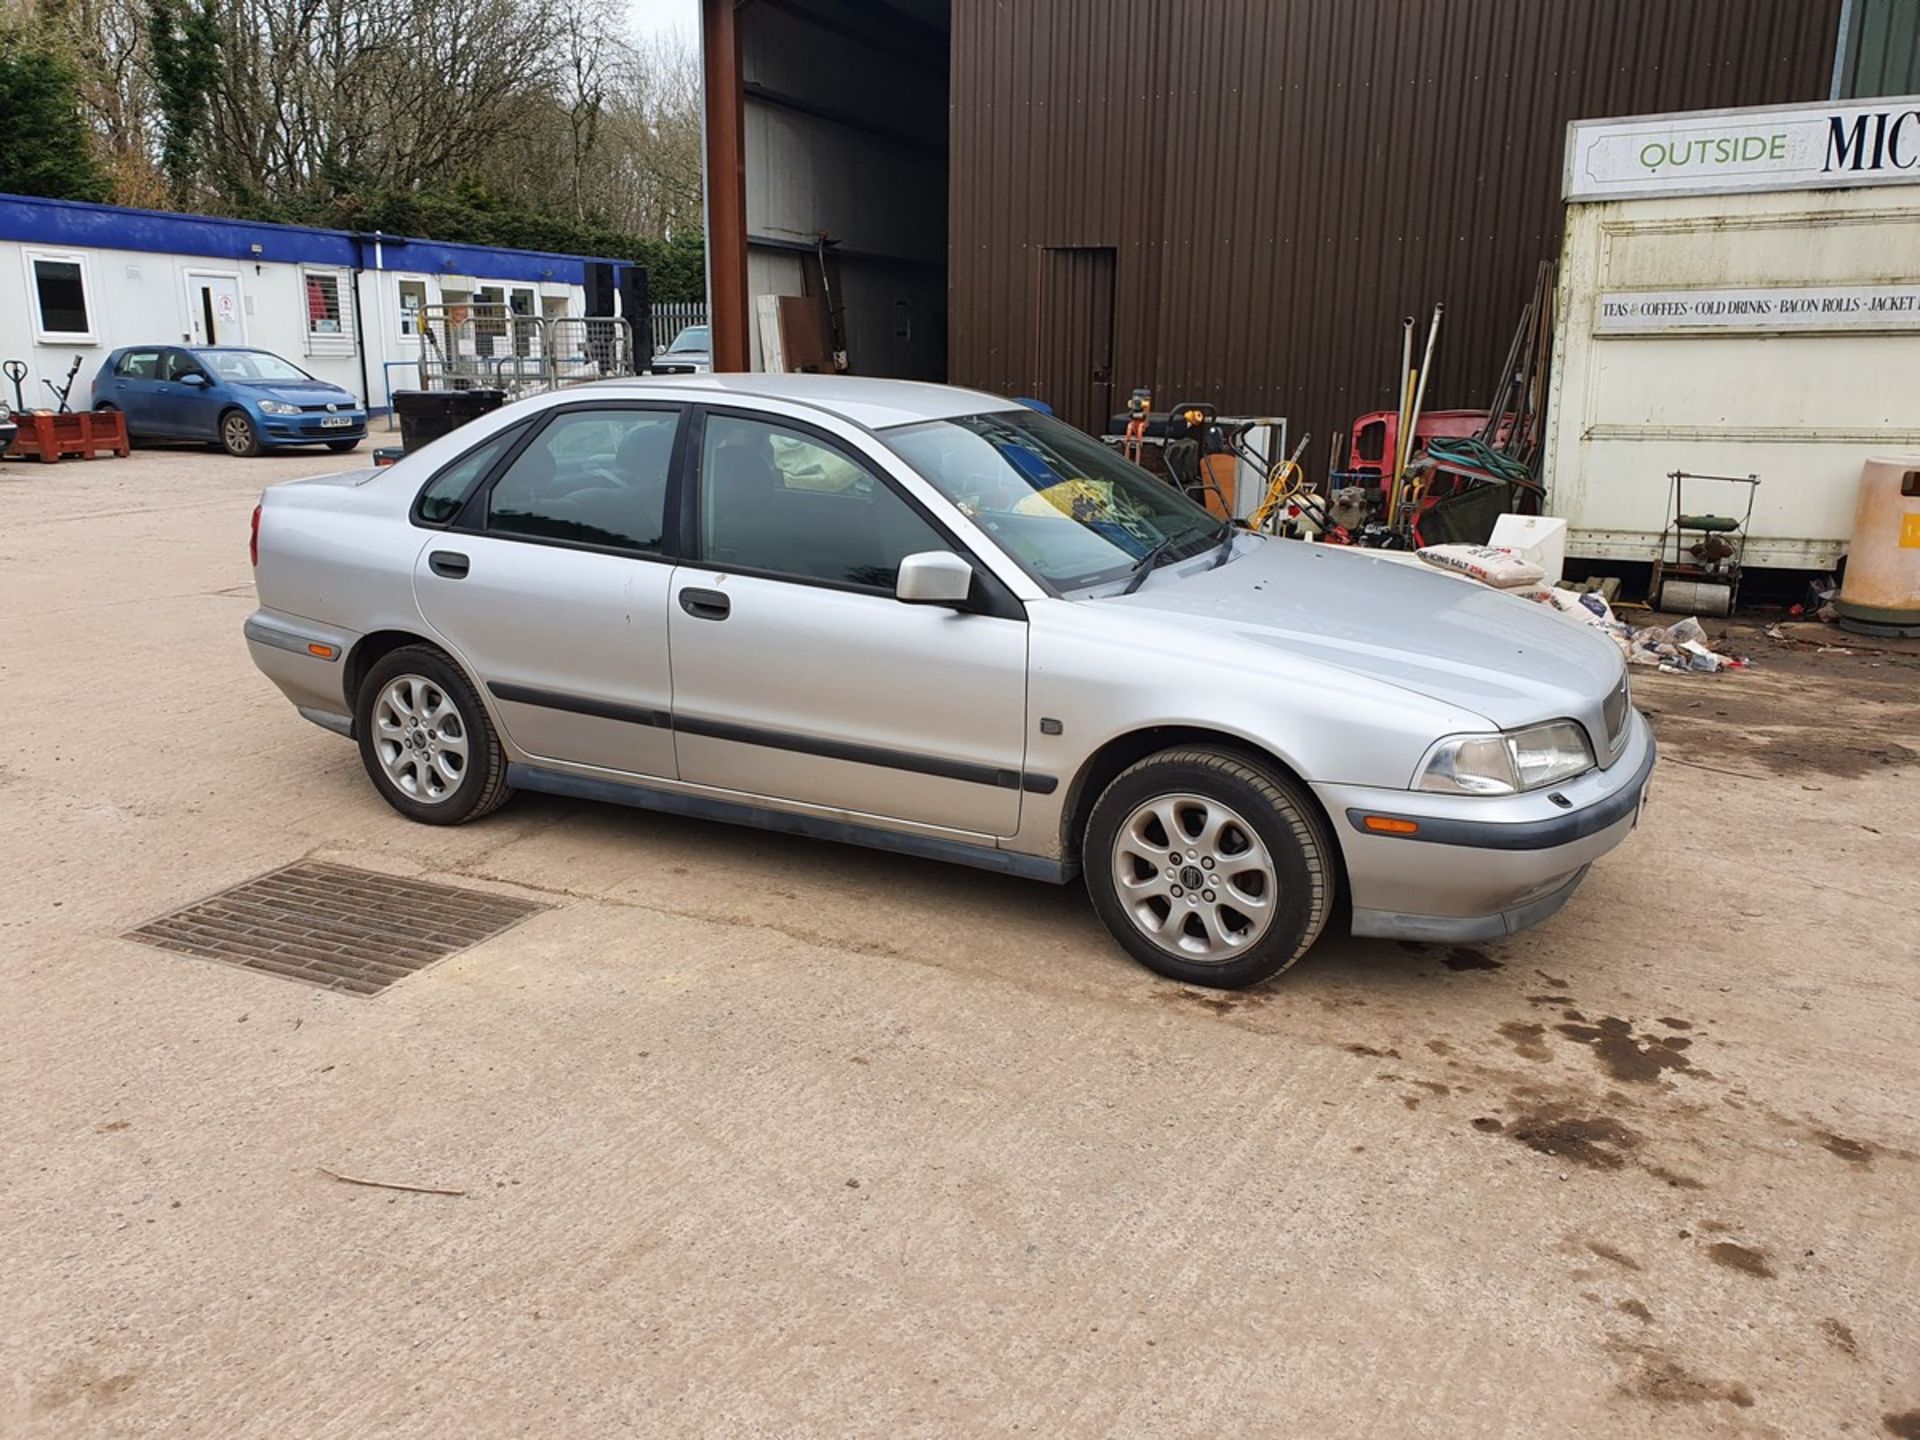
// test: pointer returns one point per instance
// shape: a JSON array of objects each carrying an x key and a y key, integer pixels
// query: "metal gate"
[{"x": 494, "y": 347}]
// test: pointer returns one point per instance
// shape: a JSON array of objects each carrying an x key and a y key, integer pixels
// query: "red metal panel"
[{"x": 726, "y": 172}]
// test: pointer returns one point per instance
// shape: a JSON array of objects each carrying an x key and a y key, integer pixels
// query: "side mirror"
[
  {"x": 934, "y": 577},
  {"x": 193, "y": 377}
]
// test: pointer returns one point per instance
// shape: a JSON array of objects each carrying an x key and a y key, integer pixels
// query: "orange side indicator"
[
  {"x": 1390, "y": 825},
  {"x": 325, "y": 652}
]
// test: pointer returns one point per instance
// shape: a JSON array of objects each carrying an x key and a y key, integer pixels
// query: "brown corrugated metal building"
[{"x": 1223, "y": 200}]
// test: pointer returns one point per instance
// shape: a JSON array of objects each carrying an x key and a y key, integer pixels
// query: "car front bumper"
[
  {"x": 306, "y": 429},
  {"x": 1478, "y": 868}
]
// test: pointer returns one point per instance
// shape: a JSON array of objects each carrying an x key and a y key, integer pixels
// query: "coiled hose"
[{"x": 1476, "y": 454}]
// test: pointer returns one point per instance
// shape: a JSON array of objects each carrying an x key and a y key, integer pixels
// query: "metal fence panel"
[
  {"x": 670, "y": 317},
  {"x": 588, "y": 347},
  {"x": 469, "y": 347}
]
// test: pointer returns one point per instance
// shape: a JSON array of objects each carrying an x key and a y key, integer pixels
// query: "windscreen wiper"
[
  {"x": 1220, "y": 556},
  {"x": 1144, "y": 566}
]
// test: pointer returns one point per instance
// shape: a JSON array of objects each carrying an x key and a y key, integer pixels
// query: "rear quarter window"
[{"x": 443, "y": 496}]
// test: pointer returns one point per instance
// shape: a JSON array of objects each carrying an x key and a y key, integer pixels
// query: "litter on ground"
[{"x": 1680, "y": 648}]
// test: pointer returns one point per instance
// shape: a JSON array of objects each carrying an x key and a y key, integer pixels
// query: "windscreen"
[
  {"x": 1063, "y": 505},
  {"x": 254, "y": 365}
]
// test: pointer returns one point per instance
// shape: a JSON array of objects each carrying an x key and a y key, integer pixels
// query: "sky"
[{"x": 653, "y": 17}]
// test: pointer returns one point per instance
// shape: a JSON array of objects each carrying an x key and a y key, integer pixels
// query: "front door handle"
[
  {"x": 449, "y": 563},
  {"x": 706, "y": 604}
]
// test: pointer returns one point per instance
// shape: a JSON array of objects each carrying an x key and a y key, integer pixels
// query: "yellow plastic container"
[{"x": 1881, "y": 594}]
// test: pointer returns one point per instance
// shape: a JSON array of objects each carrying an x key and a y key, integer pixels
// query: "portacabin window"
[
  {"x": 61, "y": 297},
  {"x": 413, "y": 300},
  {"x": 326, "y": 305}
]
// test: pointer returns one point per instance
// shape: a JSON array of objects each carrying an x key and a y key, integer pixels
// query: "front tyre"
[
  {"x": 1209, "y": 867},
  {"x": 426, "y": 741},
  {"x": 238, "y": 434}
]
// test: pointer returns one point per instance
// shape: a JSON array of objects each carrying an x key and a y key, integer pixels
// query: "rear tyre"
[
  {"x": 1209, "y": 867},
  {"x": 426, "y": 741},
  {"x": 341, "y": 447},
  {"x": 238, "y": 434}
]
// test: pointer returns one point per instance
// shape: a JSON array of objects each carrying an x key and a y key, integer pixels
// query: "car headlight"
[
  {"x": 1508, "y": 764},
  {"x": 279, "y": 407}
]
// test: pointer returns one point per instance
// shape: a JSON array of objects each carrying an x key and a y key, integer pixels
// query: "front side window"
[
  {"x": 777, "y": 500},
  {"x": 593, "y": 477},
  {"x": 1065, "y": 507},
  {"x": 62, "y": 308},
  {"x": 177, "y": 364}
]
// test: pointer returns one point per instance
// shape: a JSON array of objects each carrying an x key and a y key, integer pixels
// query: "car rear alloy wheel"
[
  {"x": 426, "y": 741},
  {"x": 1194, "y": 877},
  {"x": 1209, "y": 866},
  {"x": 238, "y": 435},
  {"x": 421, "y": 739}
]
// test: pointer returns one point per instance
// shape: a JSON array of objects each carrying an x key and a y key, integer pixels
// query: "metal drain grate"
[{"x": 335, "y": 926}]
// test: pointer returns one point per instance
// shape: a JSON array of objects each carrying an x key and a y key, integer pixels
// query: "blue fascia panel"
[{"x": 74, "y": 224}]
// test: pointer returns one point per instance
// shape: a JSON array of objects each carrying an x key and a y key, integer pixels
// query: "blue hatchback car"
[{"x": 243, "y": 400}]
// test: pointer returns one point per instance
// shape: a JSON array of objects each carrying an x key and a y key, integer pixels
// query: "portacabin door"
[
  {"x": 215, "y": 311},
  {"x": 798, "y": 676},
  {"x": 551, "y": 582}
]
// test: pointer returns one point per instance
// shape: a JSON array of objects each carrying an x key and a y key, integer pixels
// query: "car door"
[
  {"x": 796, "y": 673},
  {"x": 192, "y": 406},
  {"x": 135, "y": 387},
  {"x": 550, "y": 584}
]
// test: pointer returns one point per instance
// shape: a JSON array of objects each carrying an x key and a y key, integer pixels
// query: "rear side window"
[
  {"x": 445, "y": 493},
  {"x": 592, "y": 477}
]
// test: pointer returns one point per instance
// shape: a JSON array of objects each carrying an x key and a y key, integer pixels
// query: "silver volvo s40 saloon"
[{"x": 930, "y": 620}]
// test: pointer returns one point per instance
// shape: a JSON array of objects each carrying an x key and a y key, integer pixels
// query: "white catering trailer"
[{"x": 1739, "y": 294}]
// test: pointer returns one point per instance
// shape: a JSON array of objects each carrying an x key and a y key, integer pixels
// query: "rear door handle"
[
  {"x": 706, "y": 604},
  {"x": 450, "y": 563}
]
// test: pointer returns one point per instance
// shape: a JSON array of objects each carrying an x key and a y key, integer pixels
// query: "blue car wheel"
[{"x": 238, "y": 434}]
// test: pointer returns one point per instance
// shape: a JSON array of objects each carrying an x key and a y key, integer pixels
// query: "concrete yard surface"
[{"x": 758, "y": 1136}]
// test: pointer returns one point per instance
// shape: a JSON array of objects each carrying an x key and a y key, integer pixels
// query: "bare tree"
[{"x": 331, "y": 105}]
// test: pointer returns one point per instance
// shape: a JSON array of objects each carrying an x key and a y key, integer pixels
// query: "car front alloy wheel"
[
  {"x": 1209, "y": 867},
  {"x": 238, "y": 435}
]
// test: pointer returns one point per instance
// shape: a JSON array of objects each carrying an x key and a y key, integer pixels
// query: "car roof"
[{"x": 876, "y": 404}]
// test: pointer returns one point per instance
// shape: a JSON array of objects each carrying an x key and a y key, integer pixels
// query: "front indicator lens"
[{"x": 1507, "y": 764}]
